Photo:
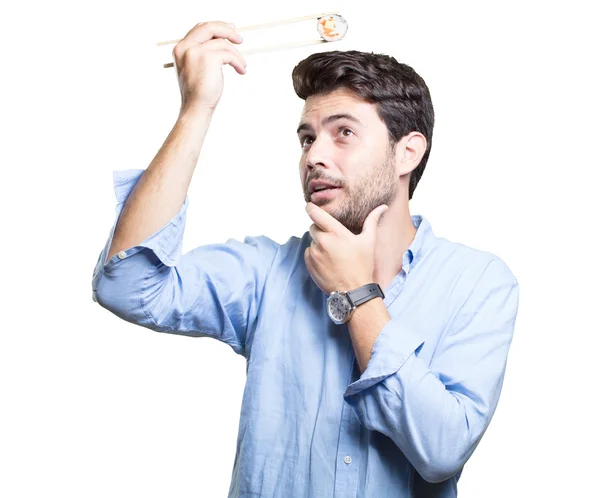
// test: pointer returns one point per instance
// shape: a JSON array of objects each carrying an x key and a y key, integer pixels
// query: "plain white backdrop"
[{"x": 92, "y": 406}]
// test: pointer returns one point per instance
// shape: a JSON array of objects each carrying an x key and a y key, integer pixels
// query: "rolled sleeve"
[
  {"x": 391, "y": 350},
  {"x": 165, "y": 243},
  {"x": 437, "y": 412},
  {"x": 213, "y": 290}
]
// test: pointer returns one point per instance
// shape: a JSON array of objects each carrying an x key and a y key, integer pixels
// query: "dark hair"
[{"x": 400, "y": 95}]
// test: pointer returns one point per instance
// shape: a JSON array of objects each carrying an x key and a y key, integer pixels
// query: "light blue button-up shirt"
[{"x": 311, "y": 426}]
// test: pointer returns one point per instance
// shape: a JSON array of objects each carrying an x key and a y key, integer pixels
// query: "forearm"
[
  {"x": 364, "y": 325},
  {"x": 436, "y": 410},
  {"x": 161, "y": 190},
  {"x": 433, "y": 428},
  {"x": 436, "y": 429}
]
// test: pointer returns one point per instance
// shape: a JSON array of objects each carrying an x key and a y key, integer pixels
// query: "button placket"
[{"x": 346, "y": 475}]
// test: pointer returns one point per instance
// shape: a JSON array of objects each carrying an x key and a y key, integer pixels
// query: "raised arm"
[
  {"x": 141, "y": 276},
  {"x": 160, "y": 192}
]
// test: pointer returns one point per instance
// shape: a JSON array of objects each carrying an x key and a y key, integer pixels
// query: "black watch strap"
[{"x": 365, "y": 293}]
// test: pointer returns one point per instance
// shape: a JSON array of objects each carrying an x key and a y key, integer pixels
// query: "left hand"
[{"x": 337, "y": 259}]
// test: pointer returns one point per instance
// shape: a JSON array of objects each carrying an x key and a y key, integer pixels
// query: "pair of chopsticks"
[{"x": 261, "y": 26}]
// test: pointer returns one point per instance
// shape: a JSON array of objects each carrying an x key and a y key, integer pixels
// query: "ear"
[{"x": 409, "y": 152}]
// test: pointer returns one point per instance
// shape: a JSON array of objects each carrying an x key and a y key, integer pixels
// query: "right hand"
[{"x": 199, "y": 58}]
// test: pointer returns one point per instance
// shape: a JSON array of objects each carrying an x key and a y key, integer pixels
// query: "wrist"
[{"x": 195, "y": 112}]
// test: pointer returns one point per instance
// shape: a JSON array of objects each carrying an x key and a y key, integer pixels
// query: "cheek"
[{"x": 302, "y": 171}]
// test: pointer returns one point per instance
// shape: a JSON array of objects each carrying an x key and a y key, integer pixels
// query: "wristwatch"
[{"x": 341, "y": 305}]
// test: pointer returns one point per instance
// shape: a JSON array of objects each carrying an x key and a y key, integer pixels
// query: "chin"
[{"x": 323, "y": 202}]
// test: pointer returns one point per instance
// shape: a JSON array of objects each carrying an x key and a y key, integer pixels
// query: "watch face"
[{"x": 338, "y": 307}]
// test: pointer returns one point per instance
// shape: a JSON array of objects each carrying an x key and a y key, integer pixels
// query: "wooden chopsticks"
[
  {"x": 271, "y": 48},
  {"x": 263, "y": 25}
]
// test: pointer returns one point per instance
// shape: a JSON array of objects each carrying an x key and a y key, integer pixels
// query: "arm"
[
  {"x": 437, "y": 414},
  {"x": 140, "y": 275},
  {"x": 364, "y": 326},
  {"x": 212, "y": 291},
  {"x": 160, "y": 192}
]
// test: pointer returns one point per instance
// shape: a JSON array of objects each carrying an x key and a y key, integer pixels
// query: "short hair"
[{"x": 401, "y": 97}]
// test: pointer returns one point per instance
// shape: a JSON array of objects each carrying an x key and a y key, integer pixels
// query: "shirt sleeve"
[
  {"x": 212, "y": 291},
  {"x": 436, "y": 414}
]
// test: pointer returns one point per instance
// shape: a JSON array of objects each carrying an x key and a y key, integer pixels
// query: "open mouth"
[{"x": 325, "y": 193}]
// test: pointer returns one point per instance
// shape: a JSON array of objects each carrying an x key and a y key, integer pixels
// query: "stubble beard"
[{"x": 370, "y": 191}]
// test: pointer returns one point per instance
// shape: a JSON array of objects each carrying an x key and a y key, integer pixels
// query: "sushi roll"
[{"x": 332, "y": 28}]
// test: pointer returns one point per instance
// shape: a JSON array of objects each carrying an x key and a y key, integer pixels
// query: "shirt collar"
[{"x": 420, "y": 244}]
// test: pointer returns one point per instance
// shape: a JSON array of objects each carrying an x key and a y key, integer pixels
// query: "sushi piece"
[{"x": 332, "y": 28}]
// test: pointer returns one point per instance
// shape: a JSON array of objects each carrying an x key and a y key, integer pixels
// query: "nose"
[{"x": 317, "y": 155}]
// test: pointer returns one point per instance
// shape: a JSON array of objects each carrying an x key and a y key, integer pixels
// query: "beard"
[{"x": 371, "y": 190}]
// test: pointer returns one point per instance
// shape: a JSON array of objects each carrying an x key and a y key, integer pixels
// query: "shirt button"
[
  {"x": 122, "y": 255},
  {"x": 347, "y": 459}
]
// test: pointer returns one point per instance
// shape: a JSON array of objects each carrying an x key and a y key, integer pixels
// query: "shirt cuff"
[
  {"x": 165, "y": 243},
  {"x": 393, "y": 346}
]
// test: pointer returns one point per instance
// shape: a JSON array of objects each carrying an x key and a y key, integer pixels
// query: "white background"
[{"x": 92, "y": 406}]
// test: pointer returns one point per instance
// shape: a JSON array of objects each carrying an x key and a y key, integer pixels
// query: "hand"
[
  {"x": 337, "y": 259},
  {"x": 199, "y": 58}
]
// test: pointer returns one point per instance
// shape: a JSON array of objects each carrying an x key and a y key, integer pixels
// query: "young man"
[{"x": 375, "y": 350}]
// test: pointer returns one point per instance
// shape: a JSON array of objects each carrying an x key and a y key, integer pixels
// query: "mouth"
[{"x": 327, "y": 193}]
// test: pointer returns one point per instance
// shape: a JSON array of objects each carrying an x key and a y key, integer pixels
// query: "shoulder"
[
  {"x": 281, "y": 250},
  {"x": 471, "y": 264},
  {"x": 264, "y": 241}
]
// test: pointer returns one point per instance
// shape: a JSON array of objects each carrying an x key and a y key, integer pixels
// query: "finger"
[
  {"x": 219, "y": 48},
  {"x": 314, "y": 232},
  {"x": 237, "y": 62},
  {"x": 228, "y": 57},
  {"x": 221, "y": 44},
  {"x": 370, "y": 224},
  {"x": 322, "y": 218},
  {"x": 307, "y": 257},
  {"x": 203, "y": 32}
]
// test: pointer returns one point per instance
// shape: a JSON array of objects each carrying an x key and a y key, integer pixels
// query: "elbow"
[
  {"x": 436, "y": 472},
  {"x": 112, "y": 298},
  {"x": 136, "y": 294},
  {"x": 442, "y": 461},
  {"x": 120, "y": 298},
  {"x": 443, "y": 465}
]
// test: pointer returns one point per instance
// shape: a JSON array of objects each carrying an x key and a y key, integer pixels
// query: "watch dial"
[{"x": 339, "y": 307}]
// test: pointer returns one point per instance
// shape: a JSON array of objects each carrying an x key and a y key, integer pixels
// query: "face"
[{"x": 346, "y": 144}]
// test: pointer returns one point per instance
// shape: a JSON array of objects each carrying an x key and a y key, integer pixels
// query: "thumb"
[{"x": 370, "y": 224}]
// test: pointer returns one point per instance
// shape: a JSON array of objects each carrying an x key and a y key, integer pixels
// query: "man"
[{"x": 381, "y": 392}]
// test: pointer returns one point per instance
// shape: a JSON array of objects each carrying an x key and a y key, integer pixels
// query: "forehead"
[{"x": 336, "y": 102}]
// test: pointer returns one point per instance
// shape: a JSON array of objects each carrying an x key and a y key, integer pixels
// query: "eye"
[
  {"x": 303, "y": 140},
  {"x": 343, "y": 130}
]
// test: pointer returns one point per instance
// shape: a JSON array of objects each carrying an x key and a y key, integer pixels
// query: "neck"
[{"x": 395, "y": 233}]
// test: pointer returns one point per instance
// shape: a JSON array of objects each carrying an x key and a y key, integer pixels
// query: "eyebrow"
[{"x": 330, "y": 119}]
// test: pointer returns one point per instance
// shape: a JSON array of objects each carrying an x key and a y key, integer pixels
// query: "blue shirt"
[{"x": 310, "y": 424}]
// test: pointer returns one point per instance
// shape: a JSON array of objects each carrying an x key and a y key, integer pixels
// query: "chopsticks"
[
  {"x": 269, "y": 25},
  {"x": 271, "y": 48},
  {"x": 263, "y": 25}
]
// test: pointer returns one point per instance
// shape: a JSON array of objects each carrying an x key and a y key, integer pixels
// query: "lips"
[
  {"x": 320, "y": 189},
  {"x": 327, "y": 193},
  {"x": 315, "y": 184}
]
